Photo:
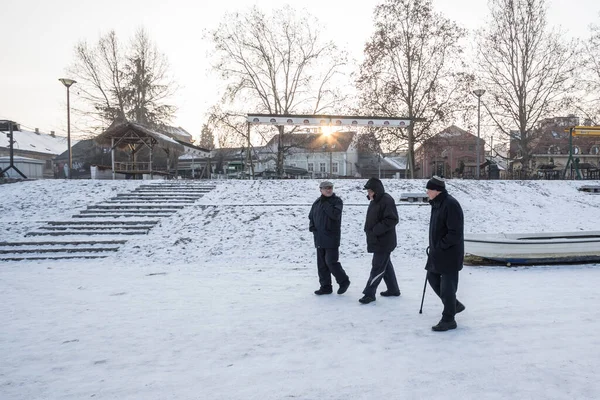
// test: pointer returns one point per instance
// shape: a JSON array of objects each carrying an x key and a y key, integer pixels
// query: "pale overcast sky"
[{"x": 37, "y": 39}]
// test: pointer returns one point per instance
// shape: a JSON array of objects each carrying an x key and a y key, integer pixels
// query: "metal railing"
[{"x": 131, "y": 166}]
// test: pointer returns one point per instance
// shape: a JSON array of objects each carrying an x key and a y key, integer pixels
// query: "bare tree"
[
  {"x": 276, "y": 64},
  {"x": 525, "y": 67},
  {"x": 207, "y": 137},
  {"x": 589, "y": 80},
  {"x": 412, "y": 68},
  {"x": 122, "y": 82}
]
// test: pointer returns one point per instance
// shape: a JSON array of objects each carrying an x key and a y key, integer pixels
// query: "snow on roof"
[
  {"x": 38, "y": 142},
  {"x": 178, "y": 133},
  {"x": 396, "y": 161},
  {"x": 21, "y": 159}
]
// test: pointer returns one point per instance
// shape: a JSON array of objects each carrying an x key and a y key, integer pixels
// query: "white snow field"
[{"x": 216, "y": 302}]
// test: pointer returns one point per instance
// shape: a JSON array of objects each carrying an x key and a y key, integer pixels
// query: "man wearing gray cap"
[{"x": 326, "y": 225}]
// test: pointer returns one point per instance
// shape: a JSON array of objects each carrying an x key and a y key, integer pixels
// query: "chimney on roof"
[
  {"x": 37, "y": 130},
  {"x": 52, "y": 134}
]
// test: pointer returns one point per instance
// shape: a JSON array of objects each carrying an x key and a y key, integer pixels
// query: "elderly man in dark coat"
[
  {"x": 446, "y": 250},
  {"x": 380, "y": 228},
  {"x": 326, "y": 225}
]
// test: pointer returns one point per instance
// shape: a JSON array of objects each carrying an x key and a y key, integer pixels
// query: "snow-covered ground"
[{"x": 217, "y": 302}]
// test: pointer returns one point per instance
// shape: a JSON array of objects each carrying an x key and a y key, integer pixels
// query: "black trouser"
[
  {"x": 327, "y": 265},
  {"x": 445, "y": 286},
  {"x": 381, "y": 268}
]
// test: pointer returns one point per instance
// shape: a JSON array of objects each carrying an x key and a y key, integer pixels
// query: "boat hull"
[{"x": 535, "y": 248}]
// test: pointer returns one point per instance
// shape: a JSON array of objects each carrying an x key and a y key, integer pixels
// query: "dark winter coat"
[
  {"x": 381, "y": 221},
  {"x": 446, "y": 235},
  {"x": 326, "y": 221}
]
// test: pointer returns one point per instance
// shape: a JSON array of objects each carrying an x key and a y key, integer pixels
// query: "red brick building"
[{"x": 451, "y": 153}]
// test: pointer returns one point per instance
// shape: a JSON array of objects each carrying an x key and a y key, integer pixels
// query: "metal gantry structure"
[
  {"x": 322, "y": 120},
  {"x": 9, "y": 127}
]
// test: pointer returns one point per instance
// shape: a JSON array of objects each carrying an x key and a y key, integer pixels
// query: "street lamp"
[
  {"x": 478, "y": 93},
  {"x": 68, "y": 82}
]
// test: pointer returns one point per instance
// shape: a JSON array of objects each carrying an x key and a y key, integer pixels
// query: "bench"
[
  {"x": 589, "y": 189},
  {"x": 418, "y": 198}
]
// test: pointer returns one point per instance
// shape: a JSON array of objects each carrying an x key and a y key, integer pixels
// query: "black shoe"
[
  {"x": 443, "y": 326},
  {"x": 343, "y": 287},
  {"x": 460, "y": 307},
  {"x": 387, "y": 293},
  {"x": 324, "y": 290},
  {"x": 366, "y": 300}
]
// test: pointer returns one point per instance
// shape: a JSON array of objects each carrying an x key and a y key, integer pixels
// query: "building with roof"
[
  {"x": 549, "y": 150},
  {"x": 383, "y": 166},
  {"x": 143, "y": 147},
  {"x": 34, "y": 145},
  {"x": 320, "y": 155},
  {"x": 452, "y": 153}
]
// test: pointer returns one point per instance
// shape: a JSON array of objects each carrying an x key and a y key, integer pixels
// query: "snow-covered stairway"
[{"x": 102, "y": 228}]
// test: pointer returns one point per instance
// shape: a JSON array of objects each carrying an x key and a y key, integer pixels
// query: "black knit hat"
[{"x": 436, "y": 183}]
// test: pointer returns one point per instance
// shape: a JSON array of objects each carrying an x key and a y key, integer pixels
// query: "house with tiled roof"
[
  {"x": 34, "y": 145},
  {"x": 319, "y": 155}
]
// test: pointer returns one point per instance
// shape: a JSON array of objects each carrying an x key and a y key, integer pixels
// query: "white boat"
[{"x": 535, "y": 248}]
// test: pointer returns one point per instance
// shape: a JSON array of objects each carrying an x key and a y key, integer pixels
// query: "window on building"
[
  {"x": 311, "y": 167},
  {"x": 576, "y": 150},
  {"x": 292, "y": 164},
  {"x": 595, "y": 150},
  {"x": 334, "y": 168},
  {"x": 471, "y": 147},
  {"x": 322, "y": 167}
]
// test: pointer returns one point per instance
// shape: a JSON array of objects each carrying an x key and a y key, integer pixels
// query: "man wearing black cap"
[
  {"x": 446, "y": 250},
  {"x": 326, "y": 225},
  {"x": 380, "y": 228}
]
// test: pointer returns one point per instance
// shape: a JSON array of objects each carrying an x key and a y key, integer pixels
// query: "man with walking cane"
[{"x": 446, "y": 250}]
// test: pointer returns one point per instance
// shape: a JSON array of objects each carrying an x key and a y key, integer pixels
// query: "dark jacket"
[
  {"x": 446, "y": 236},
  {"x": 326, "y": 221},
  {"x": 381, "y": 221}
]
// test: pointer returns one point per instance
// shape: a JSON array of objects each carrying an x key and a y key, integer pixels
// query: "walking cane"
[
  {"x": 424, "y": 286},
  {"x": 423, "y": 298}
]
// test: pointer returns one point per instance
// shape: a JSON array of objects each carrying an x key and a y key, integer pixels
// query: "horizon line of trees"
[{"x": 414, "y": 66}]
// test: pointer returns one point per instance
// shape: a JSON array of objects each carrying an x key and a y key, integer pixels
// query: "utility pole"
[{"x": 478, "y": 93}]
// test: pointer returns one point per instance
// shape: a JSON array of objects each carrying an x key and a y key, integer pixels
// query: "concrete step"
[
  {"x": 64, "y": 243},
  {"x": 87, "y": 233},
  {"x": 171, "y": 190},
  {"x": 107, "y": 223},
  {"x": 148, "y": 201},
  {"x": 59, "y": 250},
  {"x": 168, "y": 193},
  {"x": 157, "y": 196},
  {"x": 176, "y": 185},
  {"x": 95, "y": 227},
  {"x": 136, "y": 206},
  {"x": 146, "y": 212},
  {"x": 50, "y": 257},
  {"x": 124, "y": 214}
]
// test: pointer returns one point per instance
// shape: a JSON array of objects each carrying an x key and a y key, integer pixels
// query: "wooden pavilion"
[{"x": 133, "y": 137}]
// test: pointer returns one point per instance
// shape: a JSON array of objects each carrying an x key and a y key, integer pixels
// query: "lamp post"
[
  {"x": 68, "y": 82},
  {"x": 478, "y": 93}
]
